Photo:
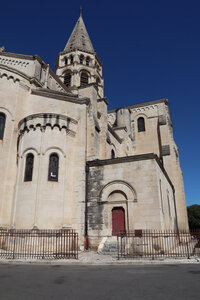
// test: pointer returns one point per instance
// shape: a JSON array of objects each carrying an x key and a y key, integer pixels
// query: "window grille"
[
  {"x": 2, "y": 125},
  {"x": 53, "y": 167},
  {"x": 29, "y": 167}
]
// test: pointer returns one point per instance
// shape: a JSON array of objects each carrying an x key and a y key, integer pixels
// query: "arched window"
[
  {"x": 112, "y": 153},
  {"x": 71, "y": 59},
  {"x": 141, "y": 124},
  {"x": 29, "y": 167},
  {"x": 2, "y": 125},
  {"x": 87, "y": 61},
  {"x": 67, "y": 79},
  {"x": 53, "y": 167},
  {"x": 81, "y": 59},
  {"x": 66, "y": 60},
  {"x": 84, "y": 79}
]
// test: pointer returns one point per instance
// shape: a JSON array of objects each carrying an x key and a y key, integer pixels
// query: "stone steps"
[{"x": 108, "y": 246}]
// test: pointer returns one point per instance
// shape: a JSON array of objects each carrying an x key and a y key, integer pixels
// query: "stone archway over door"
[{"x": 118, "y": 220}]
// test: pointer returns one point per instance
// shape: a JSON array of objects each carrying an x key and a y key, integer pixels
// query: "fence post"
[
  {"x": 188, "y": 252},
  {"x": 118, "y": 247},
  {"x": 14, "y": 237}
]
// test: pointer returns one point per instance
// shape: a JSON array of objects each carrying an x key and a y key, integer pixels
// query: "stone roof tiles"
[{"x": 79, "y": 38}]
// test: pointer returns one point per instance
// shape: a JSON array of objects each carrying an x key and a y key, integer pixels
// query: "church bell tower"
[{"x": 78, "y": 64}]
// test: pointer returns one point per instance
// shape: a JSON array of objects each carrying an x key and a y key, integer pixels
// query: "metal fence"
[
  {"x": 38, "y": 244},
  {"x": 158, "y": 244}
]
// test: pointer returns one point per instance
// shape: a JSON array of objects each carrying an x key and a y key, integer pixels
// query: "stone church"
[{"x": 66, "y": 161}]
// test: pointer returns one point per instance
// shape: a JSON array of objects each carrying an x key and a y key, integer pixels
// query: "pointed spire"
[{"x": 79, "y": 38}]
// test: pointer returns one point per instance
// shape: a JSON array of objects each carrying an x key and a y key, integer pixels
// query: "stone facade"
[{"x": 124, "y": 158}]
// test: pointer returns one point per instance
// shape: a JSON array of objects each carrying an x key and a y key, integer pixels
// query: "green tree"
[{"x": 194, "y": 216}]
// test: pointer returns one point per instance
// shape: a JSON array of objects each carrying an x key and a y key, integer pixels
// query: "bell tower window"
[
  {"x": 67, "y": 79},
  {"x": 53, "y": 167},
  {"x": 81, "y": 59},
  {"x": 84, "y": 79},
  {"x": 2, "y": 125},
  {"x": 71, "y": 59},
  {"x": 87, "y": 61},
  {"x": 66, "y": 60}
]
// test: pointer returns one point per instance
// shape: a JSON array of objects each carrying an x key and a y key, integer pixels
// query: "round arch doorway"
[{"x": 118, "y": 220}]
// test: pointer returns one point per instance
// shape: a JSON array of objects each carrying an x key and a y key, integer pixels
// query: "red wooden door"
[{"x": 118, "y": 220}]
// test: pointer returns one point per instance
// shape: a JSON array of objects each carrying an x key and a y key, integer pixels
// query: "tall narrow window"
[
  {"x": 87, "y": 61},
  {"x": 29, "y": 167},
  {"x": 81, "y": 59},
  {"x": 66, "y": 60},
  {"x": 141, "y": 124},
  {"x": 2, "y": 125},
  {"x": 112, "y": 153},
  {"x": 67, "y": 79},
  {"x": 84, "y": 79},
  {"x": 71, "y": 59},
  {"x": 53, "y": 167}
]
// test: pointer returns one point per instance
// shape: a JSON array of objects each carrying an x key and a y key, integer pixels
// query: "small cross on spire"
[{"x": 81, "y": 10}]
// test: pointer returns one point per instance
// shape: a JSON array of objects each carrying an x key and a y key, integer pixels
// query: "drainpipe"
[
  {"x": 86, "y": 207},
  {"x": 175, "y": 212}
]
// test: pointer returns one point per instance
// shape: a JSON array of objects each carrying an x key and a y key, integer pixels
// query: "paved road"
[{"x": 41, "y": 282}]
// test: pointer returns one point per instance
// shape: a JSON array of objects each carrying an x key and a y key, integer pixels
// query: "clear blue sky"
[{"x": 149, "y": 49}]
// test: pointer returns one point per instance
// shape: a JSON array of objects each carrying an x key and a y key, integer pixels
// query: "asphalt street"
[{"x": 41, "y": 282}]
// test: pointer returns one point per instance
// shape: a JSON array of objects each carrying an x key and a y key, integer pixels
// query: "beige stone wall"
[
  {"x": 139, "y": 193},
  {"x": 157, "y": 138},
  {"x": 41, "y": 203},
  {"x": 79, "y": 129}
]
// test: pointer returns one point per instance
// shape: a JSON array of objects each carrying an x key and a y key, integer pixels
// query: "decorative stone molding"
[
  {"x": 13, "y": 62},
  {"x": 44, "y": 121},
  {"x": 9, "y": 77},
  {"x": 118, "y": 185}
]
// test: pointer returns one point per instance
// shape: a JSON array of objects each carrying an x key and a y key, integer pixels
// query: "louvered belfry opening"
[
  {"x": 67, "y": 79},
  {"x": 84, "y": 79}
]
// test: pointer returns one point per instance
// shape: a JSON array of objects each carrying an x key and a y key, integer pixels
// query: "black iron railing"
[
  {"x": 158, "y": 244},
  {"x": 38, "y": 244}
]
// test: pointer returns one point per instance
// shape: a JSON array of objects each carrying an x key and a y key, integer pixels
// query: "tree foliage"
[{"x": 194, "y": 216}]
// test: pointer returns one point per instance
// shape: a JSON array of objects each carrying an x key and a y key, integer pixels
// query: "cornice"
[
  {"x": 163, "y": 100},
  {"x": 60, "y": 96},
  {"x": 30, "y": 79}
]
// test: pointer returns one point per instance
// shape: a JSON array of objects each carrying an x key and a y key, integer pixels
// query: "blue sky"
[{"x": 149, "y": 49}]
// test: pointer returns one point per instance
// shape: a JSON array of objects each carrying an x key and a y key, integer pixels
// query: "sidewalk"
[{"x": 94, "y": 258}]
